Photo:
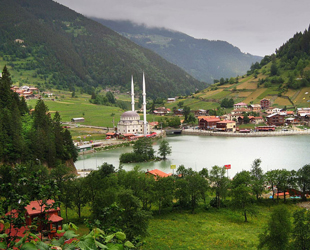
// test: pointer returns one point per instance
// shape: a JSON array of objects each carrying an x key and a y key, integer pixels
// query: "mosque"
[{"x": 130, "y": 122}]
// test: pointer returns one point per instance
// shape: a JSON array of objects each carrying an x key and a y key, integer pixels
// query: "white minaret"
[
  {"x": 132, "y": 95},
  {"x": 144, "y": 108}
]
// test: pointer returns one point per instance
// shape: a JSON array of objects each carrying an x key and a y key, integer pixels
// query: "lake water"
[{"x": 197, "y": 152}]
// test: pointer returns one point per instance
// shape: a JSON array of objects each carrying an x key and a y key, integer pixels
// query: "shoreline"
[{"x": 252, "y": 134}]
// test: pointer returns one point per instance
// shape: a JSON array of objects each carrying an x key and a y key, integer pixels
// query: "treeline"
[
  {"x": 122, "y": 200},
  {"x": 108, "y": 100},
  {"x": 30, "y": 136},
  {"x": 288, "y": 65}
]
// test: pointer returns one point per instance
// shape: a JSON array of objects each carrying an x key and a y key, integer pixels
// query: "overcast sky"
[{"x": 257, "y": 27}]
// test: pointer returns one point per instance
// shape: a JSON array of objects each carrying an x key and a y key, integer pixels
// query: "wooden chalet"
[
  {"x": 207, "y": 122},
  {"x": 276, "y": 119},
  {"x": 44, "y": 215}
]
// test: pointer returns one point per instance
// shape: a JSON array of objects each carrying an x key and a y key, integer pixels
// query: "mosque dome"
[{"x": 130, "y": 115}]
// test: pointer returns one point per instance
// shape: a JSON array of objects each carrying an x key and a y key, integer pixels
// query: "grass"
[
  {"x": 254, "y": 95},
  {"x": 95, "y": 115},
  {"x": 212, "y": 229},
  {"x": 207, "y": 228}
]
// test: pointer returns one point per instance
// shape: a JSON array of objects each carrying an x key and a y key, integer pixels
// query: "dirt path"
[{"x": 305, "y": 204}]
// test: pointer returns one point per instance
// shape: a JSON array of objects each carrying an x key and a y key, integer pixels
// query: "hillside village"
[{"x": 263, "y": 116}]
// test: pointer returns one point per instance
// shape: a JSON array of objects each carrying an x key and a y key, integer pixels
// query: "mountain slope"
[
  {"x": 56, "y": 46},
  {"x": 284, "y": 78},
  {"x": 205, "y": 60}
]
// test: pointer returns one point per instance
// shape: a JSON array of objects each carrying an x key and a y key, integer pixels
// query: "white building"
[
  {"x": 130, "y": 123},
  {"x": 130, "y": 120}
]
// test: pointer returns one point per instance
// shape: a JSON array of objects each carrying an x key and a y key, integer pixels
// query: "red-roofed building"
[
  {"x": 240, "y": 105},
  {"x": 157, "y": 173},
  {"x": 35, "y": 213},
  {"x": 207, "y": 122}
]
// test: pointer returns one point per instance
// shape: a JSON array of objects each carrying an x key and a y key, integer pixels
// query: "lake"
[{"x": 197, "y": 152}]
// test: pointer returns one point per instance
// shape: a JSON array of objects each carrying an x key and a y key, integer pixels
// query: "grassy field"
[
  {"x": 206, "y": 229},
  {"x": 95, "y": 115},
  {"x": 248, "y": 85},
  {"x": 211, "y": 229}
]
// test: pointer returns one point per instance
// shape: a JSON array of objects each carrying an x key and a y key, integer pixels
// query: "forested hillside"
[
  {"x": 31, "y": 137},
  {"x": 283, "y": 77},
  {"x": 47, "y": 44},
  {"x": 204, "y": 59}
]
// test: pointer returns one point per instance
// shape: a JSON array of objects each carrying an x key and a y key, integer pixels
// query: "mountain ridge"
[
  {"x": 206, "y": 60},
  {"x": 64, "y": 49}
]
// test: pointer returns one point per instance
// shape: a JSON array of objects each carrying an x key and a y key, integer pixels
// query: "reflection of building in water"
[{"x": 130, "y": 120}]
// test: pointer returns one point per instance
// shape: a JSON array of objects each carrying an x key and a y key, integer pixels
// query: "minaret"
[
  {"x": 144, "y": 108},
  {"x": 132, "y": 95}
]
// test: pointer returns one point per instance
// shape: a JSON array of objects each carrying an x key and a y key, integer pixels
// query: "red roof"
[
  {"x": 110, "y": 133},
  {"x": 37, "y": 207},
  {"x": 226, "y": 121},
  {"x": 212, "y": 119},
  {"x": 280, "y": 194},
  {"x": 157, "y": 172},
  {"x": 55, "y": 218},
  {"x": 128, "y": 135}
]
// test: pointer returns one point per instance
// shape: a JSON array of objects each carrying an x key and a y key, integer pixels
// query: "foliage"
[
  {"x": 301, "y": 231},
  {"x": 31, "y": 183},
  {"x": 169, "y": 122},
  {"x": 164, "y": 149},
  {"x": 142, "y": 151},
  {"x": 31, "y": 137},
  {"x": 303, "y": 180},
  {"x": 241, "y": 193},
  {"x": 219, "y": 183},
  {"x": 257, "y": 177},
  {"x": 277, "y": 232},
  {"x": 66, "y": 50},
  {"x": 227, "y": 103}
]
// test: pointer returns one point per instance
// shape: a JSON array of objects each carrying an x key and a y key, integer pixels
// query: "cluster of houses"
[
  {"x": 264, "y": 114},
  {"x": 30, "y": 92}
]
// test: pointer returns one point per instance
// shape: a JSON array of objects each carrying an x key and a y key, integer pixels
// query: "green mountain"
[
  {"x": 283, "y": 77},
  {"x": 49, "y": 45},
  {"x": 205, "y": 60}
]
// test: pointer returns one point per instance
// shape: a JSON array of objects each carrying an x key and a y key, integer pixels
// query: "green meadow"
[{"x": 210, "y": 228}]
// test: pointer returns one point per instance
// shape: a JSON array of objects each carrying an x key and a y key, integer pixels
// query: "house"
[
  {"x": 276, "y": 119},
  {"x": 110, "y": 135},
  {"x": 303, "y": 113},
  {"x": 43, "y": 214},
  {"x": 226, "y": 126},
  {"x": 169, "y": 100},
  {"x": 39, "y": 210},
  {"x": 269, "y": 110},
  {"x": 161, "y": 111},
  {"x": 207, "y": 122},
  {"x": 178, "y": 112},
  {"x": 157, "y": 173},
  {"x": 255, "y": 107},
  {"x": 200, "y": 112},
  {"x": 256, "y": 120},
  {"x": 265, "y": 103},
  {"x": 276, "y": 110},
  {"x": 240, "y": 105}
]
